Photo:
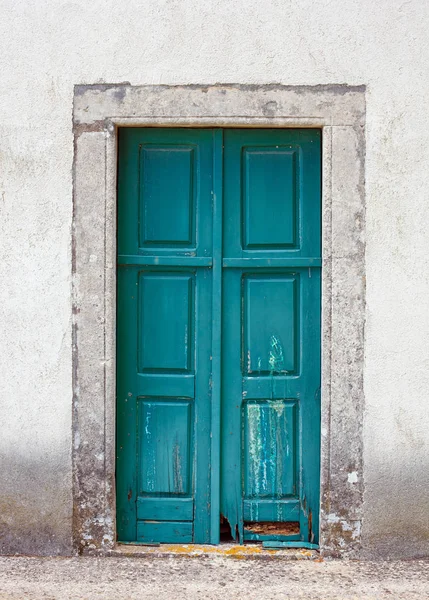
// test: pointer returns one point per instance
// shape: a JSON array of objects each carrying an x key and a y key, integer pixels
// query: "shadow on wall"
[
  {"x": 36, "y": 509},
  {"x": 396, "y": 510},
  {"x": 35, "y": 505}
]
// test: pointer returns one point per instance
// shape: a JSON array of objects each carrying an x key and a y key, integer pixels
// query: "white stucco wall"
[{"x": 47, "y": 47}]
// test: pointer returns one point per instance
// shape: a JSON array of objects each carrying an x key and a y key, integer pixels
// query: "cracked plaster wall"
[{"x": 50, "y": 46}]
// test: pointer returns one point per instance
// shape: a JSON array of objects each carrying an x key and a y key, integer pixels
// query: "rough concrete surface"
[{"x": 209, "y": 578}]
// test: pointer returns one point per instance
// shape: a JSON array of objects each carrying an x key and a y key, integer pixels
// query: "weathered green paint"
[
  {"x": 271, "y": 329},
  {"x": 218, "y": 333},
  {"x": 164, "y": 531},
  {"x": 164, "y": 337}
]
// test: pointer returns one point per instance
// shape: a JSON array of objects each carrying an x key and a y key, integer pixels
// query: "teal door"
[{"x": 218, "y": 335}]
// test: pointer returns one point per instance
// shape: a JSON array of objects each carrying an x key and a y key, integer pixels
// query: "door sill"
[{"x": 245, "y": 551}]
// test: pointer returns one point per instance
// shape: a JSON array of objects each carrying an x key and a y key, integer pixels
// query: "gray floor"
[{"x": 210, "y": 577}]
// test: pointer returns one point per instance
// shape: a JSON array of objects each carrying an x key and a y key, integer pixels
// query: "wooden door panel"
[
  {"x": 271, "y": 324},
  {"x": 269, "y": 455},
  {"x": 269, "y": 198},
  {"x": 272, "y": 193},
  {"x": 165, "y": 183},
  {"x": 271, "y": 333},
  {"x": 167, "y": 203},
  {"x": 164, "y": 447},
  {"x": 164, "y": 335},
  {"x": 166, "y": 322}
]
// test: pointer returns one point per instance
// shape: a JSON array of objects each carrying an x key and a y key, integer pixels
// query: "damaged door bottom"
[{"x": 272, "y": 534}]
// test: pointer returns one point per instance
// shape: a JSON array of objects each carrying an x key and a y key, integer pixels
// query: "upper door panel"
[
  {"x": 272, "y": 193},
  {"x": 166, "y": 183}
]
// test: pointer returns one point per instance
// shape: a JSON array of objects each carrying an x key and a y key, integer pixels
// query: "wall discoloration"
[{"x": 26, "y": 528}]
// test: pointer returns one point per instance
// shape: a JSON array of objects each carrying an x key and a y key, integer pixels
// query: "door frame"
[{"x": 98, "y": 111}]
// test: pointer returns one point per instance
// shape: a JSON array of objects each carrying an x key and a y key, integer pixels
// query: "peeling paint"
[
  {"x": 177, "y": 466},
  {"x": 352, "y": 477},
  {"x": 346, "y": 531},
  {"x": 255, "y": 446},
  {"x": 276, "y": 358}
]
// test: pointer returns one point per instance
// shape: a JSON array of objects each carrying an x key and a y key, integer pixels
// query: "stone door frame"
[{"x": 98, "y": 111}]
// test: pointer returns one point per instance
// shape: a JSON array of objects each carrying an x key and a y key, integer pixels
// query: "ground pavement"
[{"x": 209, "y": 577}]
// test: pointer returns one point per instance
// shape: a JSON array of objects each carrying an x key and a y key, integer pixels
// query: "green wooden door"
[
  {"x": 271, "y": 333},
  {"x": 218, "y": 334}
]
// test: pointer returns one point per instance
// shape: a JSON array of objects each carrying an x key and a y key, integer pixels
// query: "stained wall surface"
[{"x": 49, "y": 46}]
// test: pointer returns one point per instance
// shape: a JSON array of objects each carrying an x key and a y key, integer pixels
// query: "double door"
[{"x": 218, "y": 335}]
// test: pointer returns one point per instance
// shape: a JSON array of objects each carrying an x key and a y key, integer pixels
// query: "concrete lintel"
[{"x": 335, "y": 104}]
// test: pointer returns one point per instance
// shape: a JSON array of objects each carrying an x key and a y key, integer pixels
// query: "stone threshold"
[{"x": 246, "y": 551}]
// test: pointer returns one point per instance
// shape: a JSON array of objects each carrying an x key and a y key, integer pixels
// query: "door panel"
[
  {"x": 164, "y": 335},
  {"x": 269, "y": 197},
  {"x": 166, "y": 322},
  {"x": 271, "y": 344},
  {"x": 272, "y": 193},
  {"x": 164, "y": 436},
  {"x": 269, "y": 450},
  {"x": 165, "y": 183},
  {"x": 270, "y": 336},
  {"x": 163, "y": 221},
  {"x": 164, "y": 532},
  {"x": 271, "y": 332},
  {"x": 271, "y": 414}
]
